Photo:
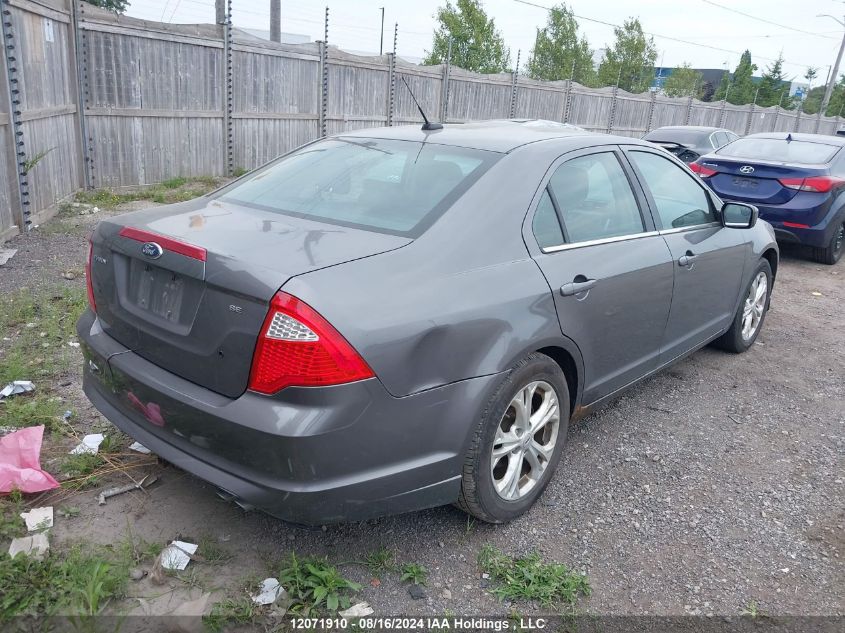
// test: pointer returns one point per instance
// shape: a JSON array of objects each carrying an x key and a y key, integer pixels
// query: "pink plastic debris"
[{"x": 20, "y": 463}]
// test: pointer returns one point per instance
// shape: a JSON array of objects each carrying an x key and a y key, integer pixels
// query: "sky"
[{"x": 714, "y": 33}]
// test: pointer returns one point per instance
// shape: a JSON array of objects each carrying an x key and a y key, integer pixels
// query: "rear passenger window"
[
  {"x": 546, "y": 226},
  {"x": 680, "y": 200},
  {"x": 595, "y": 198}
]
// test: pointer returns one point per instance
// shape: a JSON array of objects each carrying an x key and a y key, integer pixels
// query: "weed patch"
[
  {"x": 529, "y": 578},
  {"x": 414, "y": 573},
  {"x": 172, "y": 190},
  {"x": 314, "y": 586}
]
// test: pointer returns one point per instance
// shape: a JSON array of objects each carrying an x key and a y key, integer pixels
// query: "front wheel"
[
  {"x": 518, "y": 441},
  {"x": 832, "y": 253},
  {"x": 749, "y": 318}
]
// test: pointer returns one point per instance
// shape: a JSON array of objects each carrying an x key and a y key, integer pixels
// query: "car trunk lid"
[
  {"x": 187, "y": 286},
  {"x": 757, "y": 182}
]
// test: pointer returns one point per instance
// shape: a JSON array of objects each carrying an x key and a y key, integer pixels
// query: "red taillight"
[
  {"x": 815, "y": 184},
  {"x": 701, "y": 170},
  {"x": 89, "y": 283},
  {"x": 298, "y": 347},
  {"x": 167, "y": 243},
  {"x": 796, "y": 225}
]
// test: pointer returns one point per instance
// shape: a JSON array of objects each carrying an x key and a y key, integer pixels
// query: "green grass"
[
  {"x": 31, "y": 410},
  {"x": 530, "y": 578},
  {"x": 11, "y": 523},
  {"x": 380, "y": 562},
  {"x": 314, "y": 586},
  {"x": 414, "y": 573},
  {"x": 81, "y": 581},
  {"x": 231, "y": 611},
  {"x": 176, "y": 189},
  {"x": 212, "y": 552}
]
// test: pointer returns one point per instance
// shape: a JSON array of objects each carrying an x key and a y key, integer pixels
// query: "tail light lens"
[
  {"x": 298, "y": 347},
  {"x": 89, "y": 283},
  {"x": 701, "y": 170},
  {"x": 816, "y": 184}
]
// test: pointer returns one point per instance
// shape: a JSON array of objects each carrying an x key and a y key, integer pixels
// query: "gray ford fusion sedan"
[{"x": 398, "y": 318}]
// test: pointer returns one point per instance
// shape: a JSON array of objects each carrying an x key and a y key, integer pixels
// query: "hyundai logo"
[
  {"x": 151, "y": 250},
  {"x": 746, "y": 169}
]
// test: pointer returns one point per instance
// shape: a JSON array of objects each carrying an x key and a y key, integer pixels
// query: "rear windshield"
[
  {"x": 389, "y": 186},
  {"x": 780, "y": 150},
  {"x": 684, "y": 137}
]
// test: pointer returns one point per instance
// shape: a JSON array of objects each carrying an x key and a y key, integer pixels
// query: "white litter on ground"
[
  {"x": 16, "y": 387},
  {"x": 6, "y": 254},
  {"x": 89, "y": 444},
  {"x": 139, "y": 448},
  {"x": 38, "y": 518},
  {"x": 360, "y": 610},
  {"x": 270, "y": 591},
  {"x": 35, "y": 545},
  {"x": 177, "y": 555}
]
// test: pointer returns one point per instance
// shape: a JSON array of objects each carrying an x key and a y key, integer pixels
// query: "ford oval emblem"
[
  {"x": 151, "y": 250},
  {"x": 746, "y": 169}
]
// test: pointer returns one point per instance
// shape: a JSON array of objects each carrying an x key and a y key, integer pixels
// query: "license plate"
[
  {"x": 158, "y": 291},
  {"x": 745, "y": 183}
]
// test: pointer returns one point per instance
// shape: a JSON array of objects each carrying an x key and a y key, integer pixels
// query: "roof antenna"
[
  {"x": 789, "y": 137},
  {"x": 428, "y": 125}
]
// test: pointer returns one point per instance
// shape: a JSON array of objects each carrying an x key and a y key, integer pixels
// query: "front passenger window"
[
  {"x": 680, "y": 200},
  {"x": 595, "y": 198}
]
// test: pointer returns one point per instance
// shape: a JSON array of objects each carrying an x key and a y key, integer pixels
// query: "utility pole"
[
  {"x": 275, "y": 20},
  {"x": 835, "y": 73},
  {"x": 381, "y": 41}
]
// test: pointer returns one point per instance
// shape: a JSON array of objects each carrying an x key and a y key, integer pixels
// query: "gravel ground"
[{"x": 715, "y": 484}]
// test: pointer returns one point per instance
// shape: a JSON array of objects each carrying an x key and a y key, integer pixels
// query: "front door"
[
  {"x": 708, "y": 258},
  {"x": 610, "y": 272}
]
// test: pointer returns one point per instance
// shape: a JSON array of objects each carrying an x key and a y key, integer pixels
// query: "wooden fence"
[{"x": 91, "y": 99}]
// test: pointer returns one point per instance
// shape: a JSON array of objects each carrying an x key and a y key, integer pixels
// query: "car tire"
[
  {"x": 832, "y": 253},
  {"x": 479, "y": 495},
  {"x": 736, "y": 339}
]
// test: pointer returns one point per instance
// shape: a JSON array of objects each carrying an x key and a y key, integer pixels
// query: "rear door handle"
[
  {"x": 688, "y": 259},
  {"x": 576, "y": 287}
]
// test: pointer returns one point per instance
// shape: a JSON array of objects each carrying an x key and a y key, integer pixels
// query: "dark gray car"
[
  {"x": 690, "y": 142},
  {"x": 395, "y": 319}
]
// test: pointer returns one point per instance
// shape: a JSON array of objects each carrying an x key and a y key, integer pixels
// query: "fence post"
[
  {"x": 689, "y": 109},
  {"x": 324, "y": 75},
  {"x": 79, "y": 50},
  {"x": 567, "y": 95},
  {"x": 722, "y": 115},
  {"x": 651, "y": 107},
  {"x": 13, "y": 84},
  {"x": 228, "y": 107},
  {"x": 391, "y": 58},
  {"x": 514, "y": 76},
  {"x": 798, "y": 118},
  {"x": 748, "y": 120},
  {"x": 818, "y": 122},
  {"x": 444, "y": 86}
]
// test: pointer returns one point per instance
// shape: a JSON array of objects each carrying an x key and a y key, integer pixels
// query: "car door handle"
[
  {"x": 688, "y": 259},
  {"x": 577, "y": 287}
]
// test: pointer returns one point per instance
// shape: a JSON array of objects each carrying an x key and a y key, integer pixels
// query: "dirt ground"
[{"x": 712, "y": 486}]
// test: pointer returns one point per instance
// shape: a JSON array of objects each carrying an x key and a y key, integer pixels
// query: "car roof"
[
  {"x": 502, "y": 135},
  {"x": 807, "y": 138}
]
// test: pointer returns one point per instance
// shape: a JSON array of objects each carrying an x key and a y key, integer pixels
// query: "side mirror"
[{"x": 736, "y": 215}]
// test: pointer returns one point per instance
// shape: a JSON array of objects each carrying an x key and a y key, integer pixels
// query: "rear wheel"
[
  {"x": 749, "y": 318},
  {"x": 518, "y": 441},
  {"x": 832, "y": 253}
]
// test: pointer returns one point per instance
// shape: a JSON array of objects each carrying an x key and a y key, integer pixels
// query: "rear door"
[
  {"x": 709, "y": 259},
  {"x": 610, "y": 272}
]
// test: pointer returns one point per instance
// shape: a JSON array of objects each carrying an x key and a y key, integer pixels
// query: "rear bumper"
[
  {"x": 818, "y": 235},
  {"x": 306, "y": 455}
]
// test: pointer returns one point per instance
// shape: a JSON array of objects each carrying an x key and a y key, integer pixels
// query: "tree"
[
  {"x": 773, "y": 87},
  {"x": 115, "y": 6},
  {"x": 739, "y": 88},
  {"x": 630, "y": 60},
  {"x": 684, "y": 82},
  {"x": 476, "y": 43},
  {"x": 558, "y": 51}
]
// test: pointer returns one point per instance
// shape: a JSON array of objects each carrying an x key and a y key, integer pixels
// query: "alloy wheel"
[
  {"x": 839, "y": 241},
  {"x": 525, "y": 440},
  {"x": 755, "y": 306}
]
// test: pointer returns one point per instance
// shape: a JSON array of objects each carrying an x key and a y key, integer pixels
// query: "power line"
[
  {"x": 754, "y": 17},
  {"x": 665, "y": 37}
]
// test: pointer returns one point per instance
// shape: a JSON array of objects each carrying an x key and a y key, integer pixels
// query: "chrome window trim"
[
  {"x": 606, "y": 240},
  {"x": 683, "y": 229},
  {"x": 713, "y": 141}
]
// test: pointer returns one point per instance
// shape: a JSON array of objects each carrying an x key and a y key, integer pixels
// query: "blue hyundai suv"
[{"x": 796, "y": 180}]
